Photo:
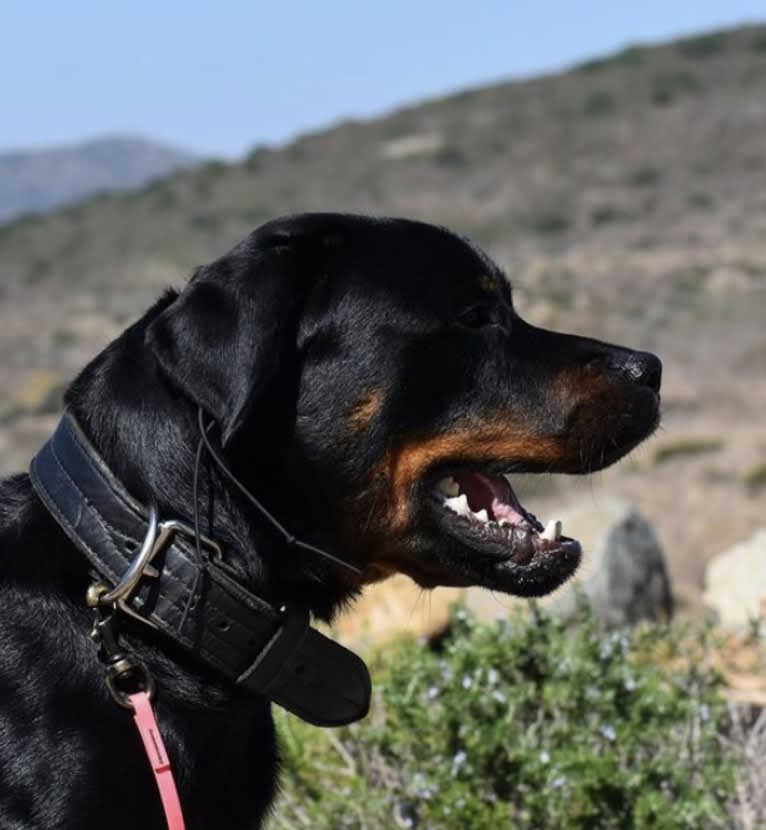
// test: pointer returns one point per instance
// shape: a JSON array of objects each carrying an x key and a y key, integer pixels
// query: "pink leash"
[{"x": 143, "y": 714}]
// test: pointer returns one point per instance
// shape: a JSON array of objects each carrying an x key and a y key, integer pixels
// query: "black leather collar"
[{"x": 200, "y": 605}]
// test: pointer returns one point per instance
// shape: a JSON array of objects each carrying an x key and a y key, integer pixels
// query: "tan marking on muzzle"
[
  {"x": 504, "y": 442},
  {"x": 579, "y": 385}
]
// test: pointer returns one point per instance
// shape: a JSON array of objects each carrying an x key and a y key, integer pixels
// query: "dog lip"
[
  {"x": 519, "y": 544},
  {"x": 544, "y": 573},
  {"x": 495, "y": 567}
]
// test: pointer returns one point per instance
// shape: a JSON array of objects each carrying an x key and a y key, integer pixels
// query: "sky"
[{"x": 218, "y": 78}]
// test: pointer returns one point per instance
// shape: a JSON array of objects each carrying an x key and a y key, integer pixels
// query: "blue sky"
[{"x": 219, "y": 77}]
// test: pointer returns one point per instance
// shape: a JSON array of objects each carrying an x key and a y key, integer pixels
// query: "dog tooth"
[
  {"x": 449, "y": 487},
  {"x": 459, "y": 504},
  {"x": 482, "y": 516},
  {"x": 552, "y": 530}
]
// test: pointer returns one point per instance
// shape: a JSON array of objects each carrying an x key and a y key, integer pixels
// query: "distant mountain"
[{"x": 39, "y": 180}]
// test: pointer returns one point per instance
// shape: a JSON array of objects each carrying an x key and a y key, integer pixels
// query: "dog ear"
[{"x": 235, "y": 324}]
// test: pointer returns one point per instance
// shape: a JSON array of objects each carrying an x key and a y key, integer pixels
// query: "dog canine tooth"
[
  {"x": 482, "y": 516},
  {"x": 449, "y": 487},
  {"x": 552, "y": 531},
  {"x": 459, "y": 505}
]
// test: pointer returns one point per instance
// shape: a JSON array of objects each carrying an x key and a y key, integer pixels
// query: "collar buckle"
[{"x": 158, "y": 537}]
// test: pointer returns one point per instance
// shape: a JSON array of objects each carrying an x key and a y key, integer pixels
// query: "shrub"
[
  {"x": 701, "y": 200},
  {"x": 205, "y": 221},
  {"x": 450, "y": 155},
  {"x": 686, "y": 447},
  {"x": 667, "y": 87},
  {"x": 526, "y": 724},
  {"x": 212, "y": 169},
  {"x": 702, "y": 46},
  {"x": 163, "y": 196},
  {"x": 606, "y": 214},
  {"x": 750, "y": 267},
  {"x": 687, "y": 283},
  {"x": 633, "y": 55},
  {"x": 255, "y": 215},
  {"x": 598, "y": 103},
  {"x": 21, "y": 222},
  {"x": 548, "y": 222},
  {"x": 255, "y": 159},
  {"x": 644, "y": 177},
  {"x": 755, "y": 478},
  {"x": 38, "y": 268}
]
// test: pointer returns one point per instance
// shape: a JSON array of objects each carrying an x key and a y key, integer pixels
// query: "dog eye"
[{"x": 478, "y": 317}]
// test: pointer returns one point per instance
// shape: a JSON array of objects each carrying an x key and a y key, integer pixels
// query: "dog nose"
[{"x": 644, "y": 368}]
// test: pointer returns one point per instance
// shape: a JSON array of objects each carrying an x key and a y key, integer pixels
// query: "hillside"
[
  {"x": 626, "y": 198},
  {"x": 39, "y": 180}
]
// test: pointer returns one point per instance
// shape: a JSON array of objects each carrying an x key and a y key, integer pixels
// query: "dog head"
[{"x": 372, "y": 381}]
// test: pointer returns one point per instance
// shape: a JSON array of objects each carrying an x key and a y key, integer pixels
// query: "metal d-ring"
[
  {"x": 132, "y": 576},
  {"x": 128, "y": 669}
]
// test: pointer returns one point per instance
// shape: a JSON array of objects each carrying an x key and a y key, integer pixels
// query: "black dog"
[{"x": 369, "y": 382}]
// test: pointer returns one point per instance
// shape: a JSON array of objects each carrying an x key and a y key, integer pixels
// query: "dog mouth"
[{"x": 511, "y": 549}]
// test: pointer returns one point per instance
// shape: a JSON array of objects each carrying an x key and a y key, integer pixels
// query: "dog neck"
[{"x": 151, "y": 450}]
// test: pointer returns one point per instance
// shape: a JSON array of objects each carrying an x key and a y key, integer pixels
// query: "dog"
[{"x": 337, "y": 399}]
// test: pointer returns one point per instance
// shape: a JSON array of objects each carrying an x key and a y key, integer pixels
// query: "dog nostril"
[
  {"x": 639, "y": 367},
  {"x": 646, "y": 369}
]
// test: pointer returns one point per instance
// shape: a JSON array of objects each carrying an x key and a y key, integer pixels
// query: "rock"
[
  {"x": 623, "y": 572},
  {"x": 735, "y": 582}
]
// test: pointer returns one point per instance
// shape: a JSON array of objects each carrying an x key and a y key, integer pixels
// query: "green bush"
[
  {"x": 255, "y": 159},
  {"x": 665, "y": 88},
  {"x": 703, "y": 46},
  {"x": 606, "y": 214},
  {"x": 599, "y": 103},
  {"x": 548, "y": 222},
  {"x": 526, "y": 724},
  {"x": 450, "y": 155},
  {"x": 633, "y": 55},
  {"x": 701, "y": 200},
  {"x": 644, "y": 177},
  {"x": 205, "y": 221},
  {"x": 755, "y": 478}
]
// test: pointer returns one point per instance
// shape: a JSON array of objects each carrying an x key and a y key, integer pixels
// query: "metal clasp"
[{"x": 124, "y": 674}]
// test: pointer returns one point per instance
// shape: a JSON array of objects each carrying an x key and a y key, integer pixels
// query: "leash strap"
[{"x": 143, "y": 714}]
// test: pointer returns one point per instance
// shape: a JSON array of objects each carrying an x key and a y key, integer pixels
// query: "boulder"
[
  {"x": 735, "y": 583},
  {"x": 624, "y": 573}
]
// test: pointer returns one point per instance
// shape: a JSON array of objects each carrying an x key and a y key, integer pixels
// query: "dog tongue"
[{"x": 491, "y": 493}]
